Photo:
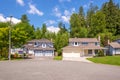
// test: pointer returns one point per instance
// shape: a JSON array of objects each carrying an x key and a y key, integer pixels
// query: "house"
[
  {"x": 114, "y": 47},
  {"x": 79, "y": 47},
  {"x": 41, "y": 47}
]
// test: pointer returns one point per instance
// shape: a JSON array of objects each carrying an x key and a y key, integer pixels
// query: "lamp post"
[{"x": 9, "y": 55}]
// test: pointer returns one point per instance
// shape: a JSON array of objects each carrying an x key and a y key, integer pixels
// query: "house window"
[
  {"x": 43, "y": 45},
  {"x": 84, "y": 43},
  {"x": 96, "y": 44},
  {"x": 36, "y": 43},
  {"x": 75, "y": 43}
]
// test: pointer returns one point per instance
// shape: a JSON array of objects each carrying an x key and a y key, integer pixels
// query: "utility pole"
[{"x": 9, "y": 55}]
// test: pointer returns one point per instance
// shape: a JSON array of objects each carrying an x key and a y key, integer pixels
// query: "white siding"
[{"x": 31, "y": 51}]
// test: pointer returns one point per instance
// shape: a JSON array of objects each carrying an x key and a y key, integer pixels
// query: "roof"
[
  {"x": 84, "y": 47},
  {"x": 41, "y": 40},
  {"x": 83, "y": 40},
  {"x": 115, "y": 45},
  {"x": 38, "y": 48}
]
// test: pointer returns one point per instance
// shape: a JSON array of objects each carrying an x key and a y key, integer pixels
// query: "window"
[
  {"x": 75, "y": 43},
  {"x": 96, "y": 44},
  {"x": 36, "y": 43},
  {"x": 84, "y": 43},
  {"x": 44, "y": 45}
]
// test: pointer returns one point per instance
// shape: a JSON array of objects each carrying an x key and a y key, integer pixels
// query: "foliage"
[
  {"x": 100, "y": 53},
  {"x": 112, "y": 60},
  {"x": 58, "y": 58}
]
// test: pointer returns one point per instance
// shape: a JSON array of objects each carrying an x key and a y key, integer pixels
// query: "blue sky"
[{"x": 50, "y": 12}]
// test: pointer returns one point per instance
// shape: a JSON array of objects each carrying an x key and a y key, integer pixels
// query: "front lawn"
[{"x": 112, "y": 60}]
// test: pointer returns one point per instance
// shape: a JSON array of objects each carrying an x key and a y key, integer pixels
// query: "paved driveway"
[{"x": 56, "y": 70}]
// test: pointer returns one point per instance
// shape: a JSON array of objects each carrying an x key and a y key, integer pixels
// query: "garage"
[
  {"x": 69, "y": 52},
  {"x": 38, "y": 53},
  {"x": 71, "y": 55},
  {"x": 43, "y": 53}
]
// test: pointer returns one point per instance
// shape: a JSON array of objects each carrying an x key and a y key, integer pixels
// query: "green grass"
[
  {"x": 112, "y": 60},
  {"x": 58, "y": 58}
]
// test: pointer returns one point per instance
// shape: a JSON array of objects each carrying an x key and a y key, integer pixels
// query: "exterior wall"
[
  {"x": 117, "y": 51},
  {"x": 85, "y": 52},
  {"x": 31, "y": 52},
  {"x": 17, "y": 50}
]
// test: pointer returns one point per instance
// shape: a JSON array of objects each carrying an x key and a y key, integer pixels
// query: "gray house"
[
  {"x": 41, "y": 47},
  {"x": 114, "y": 47}
]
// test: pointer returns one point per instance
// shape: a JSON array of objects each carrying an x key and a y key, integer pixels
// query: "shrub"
[{"x": 100, "y": 53}]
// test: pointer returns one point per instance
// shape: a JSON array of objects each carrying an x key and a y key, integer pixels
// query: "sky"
[{"x": 50, "y": 12}]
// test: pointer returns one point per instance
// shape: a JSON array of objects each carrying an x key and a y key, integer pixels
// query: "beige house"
[{"x": 79, "y": 47}]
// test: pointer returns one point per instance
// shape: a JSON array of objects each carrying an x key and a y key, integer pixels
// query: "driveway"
[{"x": 56, "y": 70}]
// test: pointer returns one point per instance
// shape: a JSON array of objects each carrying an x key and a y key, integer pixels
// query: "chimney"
[
  {"x": 99, "y": 38},
  {"x": 108, "y": 41}
]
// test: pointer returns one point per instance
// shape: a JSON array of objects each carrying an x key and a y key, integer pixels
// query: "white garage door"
[
  {"x": 43, "y": 53},
  {"x": 71, "y": 55},
  {"x": 48, "y": 53},
  {"x": 38, "y": 53}
]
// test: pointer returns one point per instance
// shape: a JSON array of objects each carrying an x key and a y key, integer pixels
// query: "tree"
[
  {"x": 44, "y": 30},
  {"x": 24, "y": 19},
  {"x": 62, "y": 28},
  {"x": 82, "y": 17},
  {"x": 74, "y": 25},
  {"x": 92, "y": 9},
  {"x": 61, "y": 41},
  {"x": 38, "y": 33},
  {"x": 112, "y": 14},
  {"x": 4, "y": 42},
  {"x": 98, "y": 24}
]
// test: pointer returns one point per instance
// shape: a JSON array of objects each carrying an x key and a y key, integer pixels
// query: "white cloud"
[
  {"x": 34, "y": 10},
  {"x": 88, "y": 4},
  {"x": 53, "y": 29},
  {"x": 2, "y": 19},
  {"x": 57, "y": 12},
  {"x": 21, "y": 2},
  {"x": 14, "y": 20},
  {"x": 65, "y": 18},
  {"x": 67, "y": 14},
  {"x": 64, "y": 0},
  {"x": 50, "y": 22}
]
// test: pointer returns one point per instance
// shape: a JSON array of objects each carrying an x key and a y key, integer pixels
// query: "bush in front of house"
[{"x": 100, "y": 53}]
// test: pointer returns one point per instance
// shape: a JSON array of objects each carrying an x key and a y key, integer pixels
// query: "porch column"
[
  {"x": 104, "y": 52},
  {"x": 83, "y": 53},
  {"x": 93, "y": 52}
]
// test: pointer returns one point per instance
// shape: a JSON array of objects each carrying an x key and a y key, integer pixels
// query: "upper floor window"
[
  {"x": 84, "y": 43},
  {"x": 75, "y": 43},
  {"x": 43, "y": 45},
  {"x": 36, "y": 43},
  {"x": 97, "y": 44}
]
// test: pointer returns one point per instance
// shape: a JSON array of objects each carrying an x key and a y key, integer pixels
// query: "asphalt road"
[{"x": 56, "y": 70}]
